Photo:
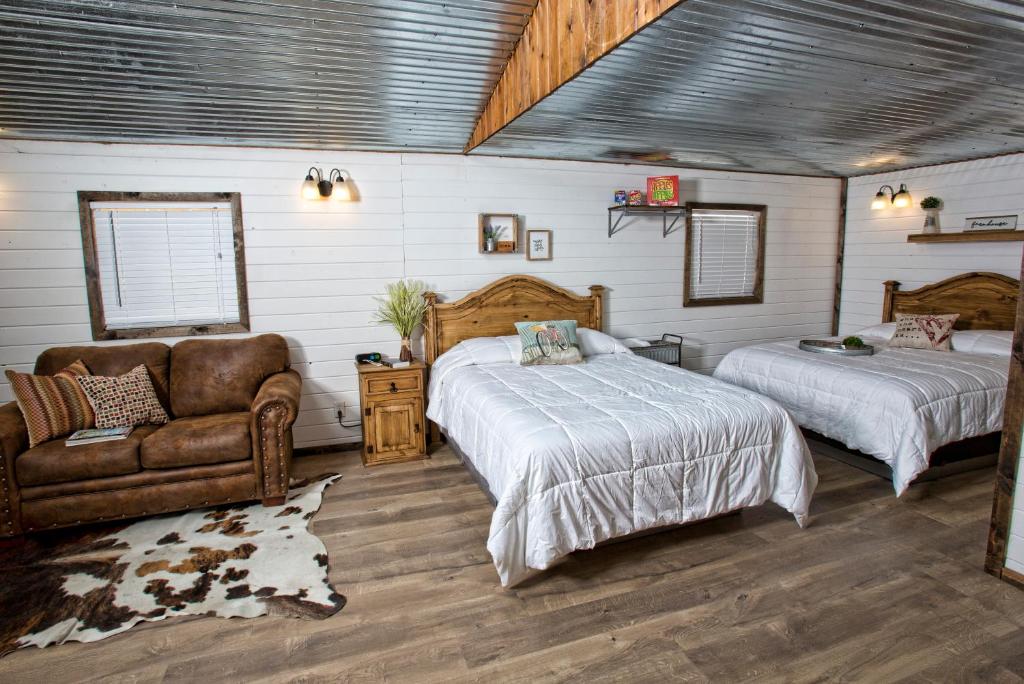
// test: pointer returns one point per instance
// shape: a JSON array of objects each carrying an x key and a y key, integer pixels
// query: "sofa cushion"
[
  {"x": 113, "y": 360},
  {"x": 124, "y": 400},
  {"x": 222, "y": 376},
  {"x": 52, "y": 405},
  {"x": 199, "y": 440},
  {"x": 52, "y": 462}
]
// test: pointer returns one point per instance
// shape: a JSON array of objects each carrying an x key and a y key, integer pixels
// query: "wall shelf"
[
  {"x": 677, "y": 213},
  {"x": 979, "y": 236}
]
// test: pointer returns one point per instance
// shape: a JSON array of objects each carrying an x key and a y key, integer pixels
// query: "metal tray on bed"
[{"x": 832, "y": 347}]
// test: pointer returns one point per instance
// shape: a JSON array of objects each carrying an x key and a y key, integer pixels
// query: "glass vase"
[{"x": 406, "y": 353}]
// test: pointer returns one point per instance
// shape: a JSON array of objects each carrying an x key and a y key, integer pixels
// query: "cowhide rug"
[{"x": 239, "y": 561}]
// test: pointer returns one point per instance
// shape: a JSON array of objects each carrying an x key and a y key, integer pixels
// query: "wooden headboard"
[
  {"x": 985, "y": 301},
  {"x": 493, "y": 310}
]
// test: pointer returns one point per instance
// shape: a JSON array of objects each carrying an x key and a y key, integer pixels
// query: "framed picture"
[
  {"x": 982, "y": 223},
  {"x": 538, "y": 245},
  {"x": 498, "y": 233}
]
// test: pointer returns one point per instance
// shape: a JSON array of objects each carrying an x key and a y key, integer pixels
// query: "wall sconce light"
[
  {"x": 334, "y": 186},
  {"x": 897, "y": 198}
]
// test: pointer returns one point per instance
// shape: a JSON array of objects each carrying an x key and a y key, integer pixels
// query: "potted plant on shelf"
[
  {"x": 403, "y": 307},
  {"x": 491, "y": 235},
  {"x": 931, "y": 206}
]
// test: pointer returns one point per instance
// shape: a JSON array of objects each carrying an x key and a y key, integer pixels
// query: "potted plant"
[
  {"x": 491, "y": 235},
  {"x": 931, "y": 206},
  {"x": 403, "y": 307}
]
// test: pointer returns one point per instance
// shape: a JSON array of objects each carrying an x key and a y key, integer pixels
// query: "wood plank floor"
[{"x": 876, "y": 589}]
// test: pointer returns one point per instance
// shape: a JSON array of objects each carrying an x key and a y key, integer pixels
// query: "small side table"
[{"x": 391, "y": 401}]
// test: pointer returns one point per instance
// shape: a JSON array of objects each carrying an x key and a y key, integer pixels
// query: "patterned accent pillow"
[
  {"x": 124, "y": 401},
  {"x": 53, "y": 405},
  {"x": 551, "y": 343},
  {"x": 931, "y": 331}
]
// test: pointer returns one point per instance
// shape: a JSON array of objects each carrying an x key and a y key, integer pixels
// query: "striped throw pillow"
[
  {"x": 53, "y": 405},
  {"x": 125, "y": 400}
]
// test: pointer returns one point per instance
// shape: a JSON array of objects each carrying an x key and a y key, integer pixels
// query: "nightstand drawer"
[{"x": 395, "y": 383}]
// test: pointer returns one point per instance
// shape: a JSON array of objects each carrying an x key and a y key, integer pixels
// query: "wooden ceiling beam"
[{"x": 560, "y": 41}]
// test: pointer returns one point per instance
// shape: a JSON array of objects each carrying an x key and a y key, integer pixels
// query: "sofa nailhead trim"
[{"x": 278, "y": 425}]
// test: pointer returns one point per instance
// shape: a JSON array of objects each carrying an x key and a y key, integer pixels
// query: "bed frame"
[
  {"x": 985, "y": 301},
  {"x": 493, "y": 310}
]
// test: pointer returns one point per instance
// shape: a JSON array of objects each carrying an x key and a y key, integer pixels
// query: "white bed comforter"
[
  {"x": 582, "y": 453},
  {"x": 898, "y": 405}
]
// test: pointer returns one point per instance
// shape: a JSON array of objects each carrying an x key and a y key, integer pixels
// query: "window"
[
  {"x": 724, "y": 254},
  {"x": 163, "y": 264}
]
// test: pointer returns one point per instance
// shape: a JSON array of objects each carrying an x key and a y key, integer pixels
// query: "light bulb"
[
  {"x": 341, "y": 191},
  {"x": 309, "y": 189},
  {"x": 902, "y": 199}
]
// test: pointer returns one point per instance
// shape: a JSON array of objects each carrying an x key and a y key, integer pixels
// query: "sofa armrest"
[
  {"x": 13, "y": 441},
  {"x": 273, "y": 412}
]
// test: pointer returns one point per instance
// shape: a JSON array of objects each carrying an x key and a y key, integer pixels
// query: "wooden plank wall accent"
[
  {"x": 1002, "y": 558},
  {"x": 844, "y": 185},
  {"x": 562, "y": 39}
]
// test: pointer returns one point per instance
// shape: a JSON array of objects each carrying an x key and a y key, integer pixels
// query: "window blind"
[
  {"x": 165, "y": 263},
  {"x": 725, "y": 244}
]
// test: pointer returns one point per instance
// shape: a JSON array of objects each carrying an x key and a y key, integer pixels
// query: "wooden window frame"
[
  {"x": 758, "y": 296},
  {"x": 92, "y": 270}
]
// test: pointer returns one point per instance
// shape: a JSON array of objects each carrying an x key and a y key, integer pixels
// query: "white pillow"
[
  {"x": 508, "y": 348},
  {"x": 988, "y": 342},
  {"x": 883, "y": 330},
  {"x": 594, "y": 342}
]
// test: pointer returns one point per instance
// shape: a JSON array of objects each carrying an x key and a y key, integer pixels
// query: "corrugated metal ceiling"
[
  {"x": 822, "y": 87},
  {"x": 817, "y": 87},
  {"x": 342, "y": 74}
]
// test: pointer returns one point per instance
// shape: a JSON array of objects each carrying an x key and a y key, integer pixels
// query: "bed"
[
  {"x": 575, "y": 455},
  {"x": 899, "y": 406}
]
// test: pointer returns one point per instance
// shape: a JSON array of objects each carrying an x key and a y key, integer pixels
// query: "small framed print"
[
  {"x": 538, "y": 245},
  {"x": 981, "y": 224}
]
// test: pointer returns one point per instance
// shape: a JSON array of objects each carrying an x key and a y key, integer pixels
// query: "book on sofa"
[{"x": 94, "y": 435}]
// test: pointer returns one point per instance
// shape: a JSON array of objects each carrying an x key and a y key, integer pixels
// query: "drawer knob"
[{"x": 393, "y": 388}]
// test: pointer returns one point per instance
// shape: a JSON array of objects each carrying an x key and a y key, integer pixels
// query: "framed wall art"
[
  {"x": 538, "y": 245},
  {"x": 980, "y": 224}
]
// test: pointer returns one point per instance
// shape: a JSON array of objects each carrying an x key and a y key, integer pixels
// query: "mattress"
[
  {"x": 578, "y": 454},
  {"x": 898, "y": 405}
]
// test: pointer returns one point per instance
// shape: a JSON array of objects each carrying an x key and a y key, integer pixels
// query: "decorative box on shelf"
[{"x": 391, "y": 402}]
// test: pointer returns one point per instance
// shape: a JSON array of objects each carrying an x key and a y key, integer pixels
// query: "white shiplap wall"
[
  {"x": 876, "y": 241},
  {"x": 313, "y": 267}
]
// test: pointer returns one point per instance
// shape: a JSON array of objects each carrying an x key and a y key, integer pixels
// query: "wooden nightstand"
[{"x": 391, "y": 401}]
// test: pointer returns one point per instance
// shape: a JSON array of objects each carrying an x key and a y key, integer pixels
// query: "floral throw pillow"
[
  {"x": 927, "y": 331},
  {"x": 123, "y": 401},
  {"x": 551, "y": 343},
  {"x": 53, "y": 405}
]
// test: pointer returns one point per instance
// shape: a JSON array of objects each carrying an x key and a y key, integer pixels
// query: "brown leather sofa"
[{"x": 232, "y": 404}]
